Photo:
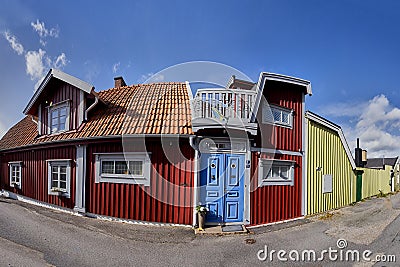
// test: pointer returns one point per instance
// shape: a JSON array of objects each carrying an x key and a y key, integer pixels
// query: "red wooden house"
[{"x": 152, "y": 152}]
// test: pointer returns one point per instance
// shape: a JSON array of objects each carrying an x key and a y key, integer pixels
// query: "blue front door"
[{"x": 221, "y": 181}]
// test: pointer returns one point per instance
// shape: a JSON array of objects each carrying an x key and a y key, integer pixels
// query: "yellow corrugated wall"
[
  {"x": 374, "y": 180},
  {"x": 325, "y": 149}
]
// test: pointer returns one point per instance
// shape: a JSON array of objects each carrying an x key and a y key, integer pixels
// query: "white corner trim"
[
  {"x": 80, "y": 178},
  {"x": 196, "y": 191}
]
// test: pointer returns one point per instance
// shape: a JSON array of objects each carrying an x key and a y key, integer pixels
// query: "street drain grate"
[{"x": 232, "y": 228}]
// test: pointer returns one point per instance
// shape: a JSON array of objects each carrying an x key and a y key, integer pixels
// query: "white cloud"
[
  {"x": 40, "y": 28},
  {"x": 151, "y": 78},
  {"x": 37, "y": 62},
  {"x": 15, "y": 45},
  {"x": 61, "y": 61},
  {"x": 115, "y": 67},
  {"x": 35, "y": 66},
  {"x": 376, "y": 123},
  {"x": 43, "y": 32}
]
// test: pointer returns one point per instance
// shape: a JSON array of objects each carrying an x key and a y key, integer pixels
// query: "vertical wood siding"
[
  {"x": 375, "y": 181},
  {"x": 34, "y": 173},
  {"x": 275, "y": 202},
  {"x": 290, "y": 97},
  {"x": 325, "y": 149},
  {"x": 63, "y": 92},
  {"x": 173, "y": 204}
]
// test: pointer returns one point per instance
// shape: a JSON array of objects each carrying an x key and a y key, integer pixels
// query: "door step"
[{"x": 222, "y": 230}]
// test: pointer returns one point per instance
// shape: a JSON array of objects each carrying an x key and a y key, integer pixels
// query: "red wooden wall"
[
  {"x": 34, "y": 173},
  {"x": 282, "y": 138},
  {"x": 275, "y": 203},
  {"x": 279, "y": 202},
  {"x": 168, "y": 199}
]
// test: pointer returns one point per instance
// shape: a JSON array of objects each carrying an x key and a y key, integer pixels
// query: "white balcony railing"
[{"x": 224, "y": 107}]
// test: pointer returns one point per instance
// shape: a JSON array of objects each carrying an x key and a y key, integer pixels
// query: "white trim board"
[{"x": 54, "y": 73}]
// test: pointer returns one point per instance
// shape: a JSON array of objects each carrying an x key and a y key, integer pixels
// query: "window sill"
[
  {"x": 124, "y": 180},
  {"x": 279, "y": 124}
]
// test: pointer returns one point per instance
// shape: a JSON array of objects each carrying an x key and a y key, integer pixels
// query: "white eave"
[
  {"x": 54, "y": 73},
  {"x": 268, "y": 76},
  {"x": 336, "y": 128},
  {"x": 288, "y": 79}
]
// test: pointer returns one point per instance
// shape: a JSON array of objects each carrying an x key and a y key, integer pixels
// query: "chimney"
[
  {"x": 364, "y": 157},
  {"x": 119, "y": 82},
  {"x": 358, "y": 155}
]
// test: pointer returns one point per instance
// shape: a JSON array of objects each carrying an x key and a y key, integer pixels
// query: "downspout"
[
  {"x": 196, "y": 192},
  {"x": 96, "y": 100},
  {"x": 34, "y": 120}
]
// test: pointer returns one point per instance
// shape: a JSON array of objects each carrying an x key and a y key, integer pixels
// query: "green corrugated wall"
[
  {"x": 325, "y": 149},
  {"x": 374, "y": 181}
]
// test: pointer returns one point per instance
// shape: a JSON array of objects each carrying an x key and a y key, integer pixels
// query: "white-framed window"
[
  {"x": 59, "y": 177},
  {"x": 59, "y": 117},
  {"x": 278, "y": 115},
  {"x": 275, "y": 172},
  {"x": 127, "y": 168},
  {"x": 15, "y": 174}
]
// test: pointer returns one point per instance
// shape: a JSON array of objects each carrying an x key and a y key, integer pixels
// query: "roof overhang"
[
  {"x": 268, "y": 76},
  {"x": 57, "y": 74},
  {"x": 336, "y": 128},
  {"x": 287, "y": 79}
]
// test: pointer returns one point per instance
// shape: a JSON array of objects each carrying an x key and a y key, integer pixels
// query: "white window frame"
[
  {"x": 13, "y": 183},
  {"x": 265, "y": 167},
  {"x": 56, "y": 191},
  {"x": 268, "y": 116},
  {"x": 143, "y": 179},
  {"x": 51, "y": 109}
]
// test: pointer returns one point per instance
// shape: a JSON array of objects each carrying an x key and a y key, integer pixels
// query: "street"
[{"x": 36, "y": 236}]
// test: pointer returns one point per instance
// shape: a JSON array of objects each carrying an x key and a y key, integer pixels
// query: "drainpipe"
[
  {"x": 34, "y": 120},
  {"x": 96, "y": 100}
]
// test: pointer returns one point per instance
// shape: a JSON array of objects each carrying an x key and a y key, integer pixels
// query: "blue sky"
[{"x": 349, "y": 50}]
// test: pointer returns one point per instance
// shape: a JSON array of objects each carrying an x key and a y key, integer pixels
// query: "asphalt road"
[{"x": 36, "y": 236}]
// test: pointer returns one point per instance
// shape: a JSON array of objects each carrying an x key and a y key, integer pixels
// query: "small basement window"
[
  {"x": 131, "y": 168},
  {"x": 15, "y": 174},
  {"x": 59, "y": 177},
  {"x": 278, "y": 115},
  {"x": 59, "y": 117},
  {"x": 275, "y": 172}
]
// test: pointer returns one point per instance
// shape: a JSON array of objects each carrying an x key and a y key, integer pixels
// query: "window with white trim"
[
  {"x": 59, "y": 117},
  {"x": 278, "y": 115},
  {"x": 128, "y": 168},
  {"x": 276, "y": 172},
  {"x": 59, "y": 177},
  {"x": 15, "y": 174}
]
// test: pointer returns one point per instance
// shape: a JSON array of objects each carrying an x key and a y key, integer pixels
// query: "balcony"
[{"x": 223, "y": 108}]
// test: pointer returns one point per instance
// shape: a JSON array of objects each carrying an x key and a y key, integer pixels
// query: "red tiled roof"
[{"x": 157, "y": 108}]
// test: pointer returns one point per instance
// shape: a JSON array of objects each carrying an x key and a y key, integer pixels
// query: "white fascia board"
[
  {"x": 336, "y": 129},
  {"x": 275, "y": 77},
  {"x": 53, "y": 73},
  {"x": 288, "y": 79}
]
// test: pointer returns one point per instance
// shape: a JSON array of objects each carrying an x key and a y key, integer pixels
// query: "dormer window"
[{"x": 59, "y": 118}]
